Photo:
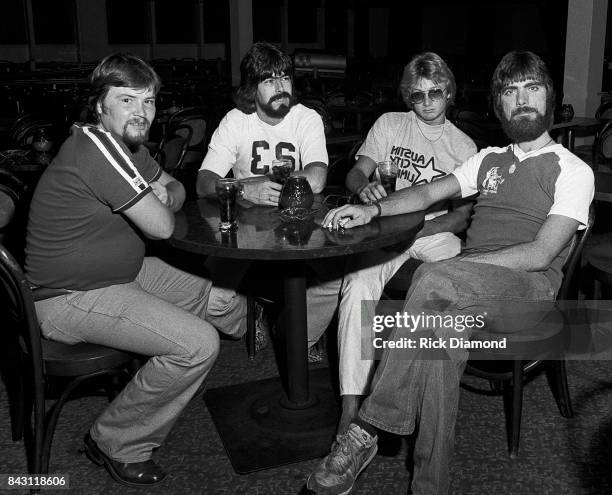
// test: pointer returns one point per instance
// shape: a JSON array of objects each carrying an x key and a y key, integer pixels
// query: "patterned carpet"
[{"x": 557, "y": 456}]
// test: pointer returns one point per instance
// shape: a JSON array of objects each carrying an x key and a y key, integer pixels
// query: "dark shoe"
[{"x": 137, "y": 474}]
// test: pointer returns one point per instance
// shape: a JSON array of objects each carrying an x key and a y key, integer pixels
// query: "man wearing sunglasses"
[
  {"x": 532, "y": 197},
  {"x": 425, "y": 146}
]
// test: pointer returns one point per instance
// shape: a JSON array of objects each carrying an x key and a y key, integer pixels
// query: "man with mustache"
[
  {"x": 99, "y": 196},
  {"x": 268, "y": 125},
  {"x": 533, "y": 196}
]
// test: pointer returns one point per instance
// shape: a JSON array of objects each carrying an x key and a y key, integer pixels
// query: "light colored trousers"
[
  {"x": 322, "y": 291},
  {"x": 365, "y": 278},
  {"x": 164, "y": 313}
]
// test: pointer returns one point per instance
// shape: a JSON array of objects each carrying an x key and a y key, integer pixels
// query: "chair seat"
[{"x": 80, "y": 359}]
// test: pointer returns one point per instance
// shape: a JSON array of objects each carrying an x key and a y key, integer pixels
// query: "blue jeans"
[
  {"x": 162, "y": 314},
  {"x": 407, "y": 391}
]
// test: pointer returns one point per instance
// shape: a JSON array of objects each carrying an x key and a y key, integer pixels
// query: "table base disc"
[{"x": 259, "y": 432}]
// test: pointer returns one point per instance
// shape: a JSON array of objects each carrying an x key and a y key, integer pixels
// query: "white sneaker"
[{"x": 351, "y": 453}]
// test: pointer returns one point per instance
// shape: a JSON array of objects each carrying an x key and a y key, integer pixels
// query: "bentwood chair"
[
  {"x": 39, "y": 361},
  {"x": 173, "y": 148},
  {"x": 12, "y": 195},
  {"x": 193, "y": 118},
  {"x": 508, "y": 376}
]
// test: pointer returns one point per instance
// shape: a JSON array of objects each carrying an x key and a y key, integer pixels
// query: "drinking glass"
[
  {"x": 387, "y": 171},
  {"x": 226, "y": 190},
  {"x": 280, "y": 171}
]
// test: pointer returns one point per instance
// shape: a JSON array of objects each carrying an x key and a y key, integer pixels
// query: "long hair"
[
  {"x": 518, "y": 66},
  {"x": 427, "y": 65},
  {"x": 263, "y": 60},
  {"x": 119, "y": 70}
]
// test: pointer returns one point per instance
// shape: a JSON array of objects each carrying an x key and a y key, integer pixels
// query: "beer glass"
[
  {"x": 226, "y": 190},
  {"x": 387, "y": 171}
]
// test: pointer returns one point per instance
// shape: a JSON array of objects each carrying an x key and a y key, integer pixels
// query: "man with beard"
[
  {"x": 268, "y": 125},
  {"x": 84, "y": 250},
  {"x": 533, "y": 196}
]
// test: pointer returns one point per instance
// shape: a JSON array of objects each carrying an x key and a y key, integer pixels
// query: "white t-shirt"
[
  {"x": 247, "y": 145},
  {"x": 423, "y": 152}
]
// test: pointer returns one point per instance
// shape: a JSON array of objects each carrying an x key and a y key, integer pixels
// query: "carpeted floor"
[{"x": 557, "y": 456}]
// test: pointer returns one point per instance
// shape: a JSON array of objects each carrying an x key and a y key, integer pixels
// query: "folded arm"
[
  {"x": 152, "y": 218},
  {"x": 556, "y": 232},
  {"x": 169, "y": 191}
]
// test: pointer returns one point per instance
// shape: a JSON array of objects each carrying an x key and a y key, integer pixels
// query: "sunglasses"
[{"x": 418, "y": 97}]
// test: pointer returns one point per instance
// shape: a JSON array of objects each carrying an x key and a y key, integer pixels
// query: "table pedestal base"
[{"x": 259, "y": 430}]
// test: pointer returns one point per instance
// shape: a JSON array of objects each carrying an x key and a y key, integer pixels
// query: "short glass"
[
  {"x": 280, "y": 170},
  {"x": 387, "y": 171},
  {"x": 227, "y": 190}
]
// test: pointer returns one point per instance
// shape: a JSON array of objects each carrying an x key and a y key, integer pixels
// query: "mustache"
[
  {"x": 138, "y": 122},
  {"x": 523, "y": 110},
  {"x": 280, "y": 96}
]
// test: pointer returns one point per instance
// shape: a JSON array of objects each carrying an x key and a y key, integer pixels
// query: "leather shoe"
[{"x": 135, "y": 474}]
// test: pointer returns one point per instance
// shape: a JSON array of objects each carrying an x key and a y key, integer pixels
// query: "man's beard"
[
  {"x": 282, "y": 110},
  {"x": 523, "y": 126},
  {"x": 134, "y": 141}
]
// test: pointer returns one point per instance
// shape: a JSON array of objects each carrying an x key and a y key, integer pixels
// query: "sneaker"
[
  {"x": 315, "y": 354},
  {"x": 262, "y": 328},
  {"x": 351, "y": 453}
]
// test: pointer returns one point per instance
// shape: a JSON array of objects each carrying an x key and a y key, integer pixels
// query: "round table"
[{"x": 262, "y": 235}]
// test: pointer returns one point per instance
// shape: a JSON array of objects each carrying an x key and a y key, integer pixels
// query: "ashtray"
[{"x": 295, "y": 214}]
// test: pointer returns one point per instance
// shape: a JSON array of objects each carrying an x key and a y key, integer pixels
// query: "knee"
[
  {"x": 205, "y": 347},
  {"x": 434, "y": 283},
  {"x": 357, "y": 284}
]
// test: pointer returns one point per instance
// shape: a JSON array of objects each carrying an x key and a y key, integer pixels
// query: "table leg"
[
  {"x": 263, "y": 424},
  {"x": 296, "y": 326}
]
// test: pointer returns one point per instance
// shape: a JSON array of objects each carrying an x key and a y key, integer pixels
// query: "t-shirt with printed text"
[
  {"x": 247, "y": 145},
  {"x": 398, "y": 137}
]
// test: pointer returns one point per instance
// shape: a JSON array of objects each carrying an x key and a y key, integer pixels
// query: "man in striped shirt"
[{"x": 93, "y": 205}]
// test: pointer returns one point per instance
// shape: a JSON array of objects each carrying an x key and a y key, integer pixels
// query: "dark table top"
[{"x": 262, "y": 235}]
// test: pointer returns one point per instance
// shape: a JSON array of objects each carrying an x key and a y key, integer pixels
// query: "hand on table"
[
  {"x": 262, "y": 192},
  {"x": 348, "y": 216},
  {"x": 372, "y": 192}
]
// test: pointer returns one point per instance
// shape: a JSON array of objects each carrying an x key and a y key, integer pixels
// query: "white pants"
[{"x": 366, "y": 277}]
